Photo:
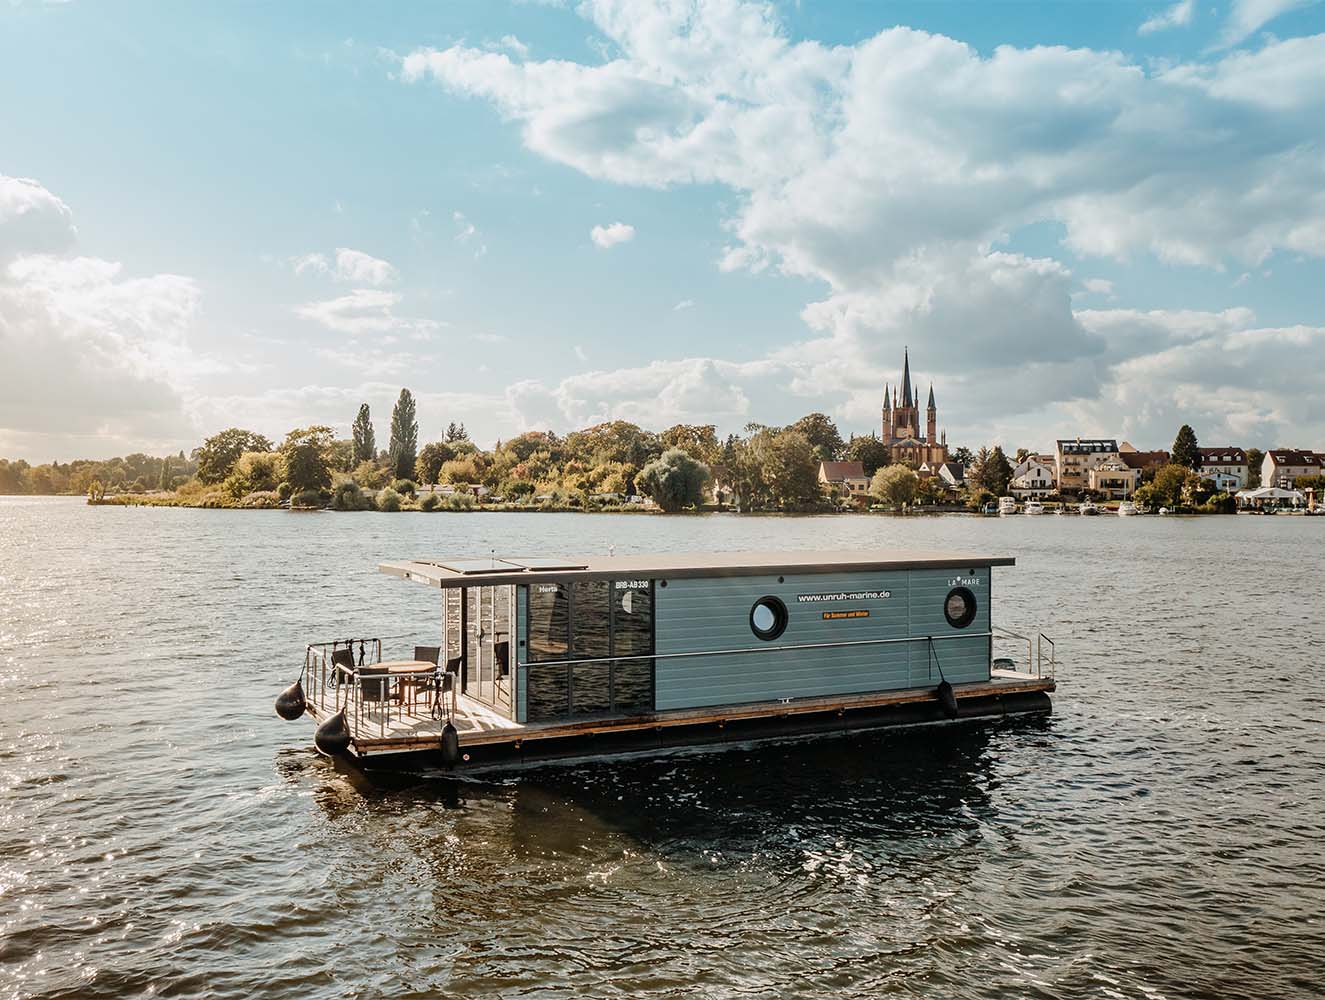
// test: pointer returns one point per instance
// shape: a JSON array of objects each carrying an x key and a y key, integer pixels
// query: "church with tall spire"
[{"x": 901, "y": 424}]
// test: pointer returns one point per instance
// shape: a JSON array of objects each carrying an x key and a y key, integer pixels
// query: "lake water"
[{"x": 163, "y": 833}]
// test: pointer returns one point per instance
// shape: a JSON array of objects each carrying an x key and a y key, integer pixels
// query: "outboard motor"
[
  {"x": 450, "y": 745},
  {"x": 333, "y": 736},
  {"x": 290, "y": 703}
]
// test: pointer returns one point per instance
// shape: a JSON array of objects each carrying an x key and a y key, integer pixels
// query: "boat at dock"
[
  {"x": 1007, "y": 505},
  {"x": 1034, "y": 507},
  {"x": 1087, "y": 508},
  {"x": 1127, "y": 509},
  {"x": 544, "y": 658}
]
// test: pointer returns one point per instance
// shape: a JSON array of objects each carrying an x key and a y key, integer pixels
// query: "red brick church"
[{"x": 901, "y": 425}]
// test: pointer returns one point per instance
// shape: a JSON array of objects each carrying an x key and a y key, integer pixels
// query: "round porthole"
[
  {"x": 768, "y": 618},
  {"x": 959, "y": 607}
]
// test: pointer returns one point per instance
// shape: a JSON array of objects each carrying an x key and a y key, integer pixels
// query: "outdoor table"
[{"x": 409, "y": 672}]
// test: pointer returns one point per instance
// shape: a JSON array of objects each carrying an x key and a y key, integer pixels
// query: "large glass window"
[
  {"x": 591, "y": 629},
  {"x": 632, "y": 635},
  {"x": 549, "y": 621},
  {"x": 590, "y": 620}
]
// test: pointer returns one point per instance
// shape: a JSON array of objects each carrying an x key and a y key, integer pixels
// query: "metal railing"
[{"x": 1037, "y": 664}]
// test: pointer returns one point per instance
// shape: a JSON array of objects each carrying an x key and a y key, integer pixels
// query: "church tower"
[
  {"x": 887, "y": 413},
  {"x": 931, "y": 418}
]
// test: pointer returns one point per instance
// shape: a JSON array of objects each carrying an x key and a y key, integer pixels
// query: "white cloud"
[
  {"x": 32, "y": 220},
  {"x": 359, "y": 268},
  {"x": 1177, "y": 16},
  {"x": 1247, "y": 16},
  {"x": 349, "y": 266},
  {"x": 683, "y": 305},
  {"x": 888, "y": 168},
  {"x": 1099, "y": 286},
  {"x": 467, "y": 233},
  {"x": 362, "y": 311},
  {"x": 513, "y": 45},
  {"x": 655, "y": 395},
  {"x": 610, "y": 235},
  {"x": 90, "y": 355}
]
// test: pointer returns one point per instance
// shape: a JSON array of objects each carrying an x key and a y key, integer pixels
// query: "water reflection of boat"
[{"x": 555, "y": 658}]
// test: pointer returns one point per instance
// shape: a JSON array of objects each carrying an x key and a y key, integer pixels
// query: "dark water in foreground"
[{"x": 163, "y": 833}]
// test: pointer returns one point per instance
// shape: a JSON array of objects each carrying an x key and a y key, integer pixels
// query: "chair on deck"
[{"x": 415, "y": 683}]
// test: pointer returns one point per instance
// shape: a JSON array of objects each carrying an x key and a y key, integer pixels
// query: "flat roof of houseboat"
[{"x": 473, "y": 571}]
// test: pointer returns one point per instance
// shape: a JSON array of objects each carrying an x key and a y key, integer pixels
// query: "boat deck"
[{"x": 395, "y": 728}]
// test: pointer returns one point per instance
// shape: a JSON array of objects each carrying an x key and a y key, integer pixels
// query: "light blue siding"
[{"x": 694, "y": 615}]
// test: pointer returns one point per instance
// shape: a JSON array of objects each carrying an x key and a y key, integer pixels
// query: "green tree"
[
  {"x": 790, "y": 470},
  {"x": 305, "y": 454},
  {"x": 894, "y": 485},
  {"x": 1166, "y": 489},
  {"x": 163, "y": 483},
  {"x": 822, "y": 434},
  {"x": 219, "y": 453},
  {"x": 962, "y": 456},
  {"x": 1185, "y": 450},
  {"x": 254, "y": 472},
  {"x": 674, "y": 480},
  {"x": 994, "y": 471},
  {"x": 456, "y": 432},
  {"x": 700, "y": 441},
  {"x": 869, "y": 451},
  {"x": 932, "y": 489},
  {"x": 429, "y": 463},
  {"x": 365, "y": 440},
  {"x": 1254, "y": 459},
  {"x": 404, "y": 447}
]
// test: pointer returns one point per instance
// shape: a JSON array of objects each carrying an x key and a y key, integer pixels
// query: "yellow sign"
[{"x": 832, "y": 616}]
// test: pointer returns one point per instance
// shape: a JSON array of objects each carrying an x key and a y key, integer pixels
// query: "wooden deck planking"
[{"x": 479, "y": 726}]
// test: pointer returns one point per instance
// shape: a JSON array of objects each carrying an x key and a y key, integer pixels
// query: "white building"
[
  {"x": 1226, "y": 466},
  {"x": 1282, "y": 466},
  {"x": 1074, "y": 458},
  {"x": 1033, "y": 478}
]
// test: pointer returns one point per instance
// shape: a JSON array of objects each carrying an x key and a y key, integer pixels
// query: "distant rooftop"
[
  {"x": 1086, "y": 446},
  {"x": 468, "y": 571}
]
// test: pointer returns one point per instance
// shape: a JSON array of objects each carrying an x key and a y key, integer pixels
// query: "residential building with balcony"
[
  {"x": 1113, "y": 479},
  {"x": 1227, "y": 467},
  {"x": 1282, "y": 466},
  {"x": 1075, "y": 457},
  {"x": 1033, "y": 478}
]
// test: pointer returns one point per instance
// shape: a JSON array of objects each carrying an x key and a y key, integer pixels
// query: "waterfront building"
[
  {"x": 1113, "y": 478},
  {"x": 848, "y": 478},
  {"x": 1075, "y": 457},
  {"x": 902, "y": 435},
  {"x": 1142, "y": 461},
  {"x": 1226, "y": 466},
  {"x": 1282, "y": 466},
  {"x": 1033, "y": 478}
]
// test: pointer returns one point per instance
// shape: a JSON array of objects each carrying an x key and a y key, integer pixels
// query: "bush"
[
  {"x": 458, "y": 501},
  {"x": 348, "y": 496},
  {"x": 430, "y": 502},
  {"x": 388, "y": 500},
  {"x": 1220, "y": 503},
  {"x": 306, "y": 499},
  {"x": 262, "y": 499},
  {"x": 405, "y": 487}
]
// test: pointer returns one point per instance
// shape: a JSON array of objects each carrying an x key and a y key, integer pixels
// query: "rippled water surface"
[{"x": 162, "y": 832}]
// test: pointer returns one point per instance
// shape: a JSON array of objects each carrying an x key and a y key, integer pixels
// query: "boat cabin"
[{"x": 549, "y": 656}]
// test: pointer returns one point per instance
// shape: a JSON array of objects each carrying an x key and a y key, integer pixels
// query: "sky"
[{"x": 1082, "y": 218}]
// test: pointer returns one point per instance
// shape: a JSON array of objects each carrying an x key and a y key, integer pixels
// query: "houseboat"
[{"x": 538, "y": 658}]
